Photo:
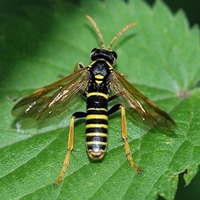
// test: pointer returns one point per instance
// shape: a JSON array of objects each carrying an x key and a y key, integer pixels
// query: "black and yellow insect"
[{"x": 100, "y": 84}]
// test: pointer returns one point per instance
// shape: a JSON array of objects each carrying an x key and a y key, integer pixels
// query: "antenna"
[
  {"x": 97, "y": 30},
  {"x": 100, "y": 35},
  {"x": 120, "y": 33}
]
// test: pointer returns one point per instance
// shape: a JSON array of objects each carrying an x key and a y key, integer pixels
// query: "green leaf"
[{"x": 159, "y": 56}]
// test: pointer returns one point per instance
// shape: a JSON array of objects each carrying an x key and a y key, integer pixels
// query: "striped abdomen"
[{"x": 96, "y": 124}]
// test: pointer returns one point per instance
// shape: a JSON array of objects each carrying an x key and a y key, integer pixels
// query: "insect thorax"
[{"x": 100, "y": 70}]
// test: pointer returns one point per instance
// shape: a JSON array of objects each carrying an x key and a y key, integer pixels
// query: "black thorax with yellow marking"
[{"x": 97, "y": 101}]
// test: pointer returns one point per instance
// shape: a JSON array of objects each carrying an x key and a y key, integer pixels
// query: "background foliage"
[{"x": 160, "y": 56}]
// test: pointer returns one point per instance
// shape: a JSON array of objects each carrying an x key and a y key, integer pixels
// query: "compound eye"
[{"x": 93, "y": 50}]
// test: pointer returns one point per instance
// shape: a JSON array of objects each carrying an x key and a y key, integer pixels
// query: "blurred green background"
[
  {"x": 190, "y": 7},
  {"x": 192, "y": 11}
]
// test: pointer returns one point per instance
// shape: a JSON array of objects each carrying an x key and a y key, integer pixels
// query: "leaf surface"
[{"x": 159, "y": 56}]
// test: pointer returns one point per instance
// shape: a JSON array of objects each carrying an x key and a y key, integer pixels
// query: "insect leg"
[
  {"x": 78, "y": 66},
  {"x": 124, "y": 134},
  {"x": 70, "y": 144}
]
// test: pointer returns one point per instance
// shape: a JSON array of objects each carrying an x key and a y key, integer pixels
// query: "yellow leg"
[
  {"x": 125, "y": 138},
  {"x": 69, "y": 150},
  {"x": 78, "y": 66}
]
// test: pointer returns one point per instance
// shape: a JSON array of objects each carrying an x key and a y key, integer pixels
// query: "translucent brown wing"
[
  {"x": 52, "y": 99},
  {"x": 139, "y": 107}
]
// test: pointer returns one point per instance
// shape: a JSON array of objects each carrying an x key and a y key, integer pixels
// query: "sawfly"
[{"x": 99, "y": 83}]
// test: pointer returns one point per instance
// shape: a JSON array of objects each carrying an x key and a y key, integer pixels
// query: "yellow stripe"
[
  {"x": 98, "y": 82},
  {"x": 102, "y": 109},
  {"x": 99, "y": 76},
  {"x": 97, "y": 94},
  {"x": 97, "y": 134},
  {"x": 96, "y": 116},
  {"x": 110, "y": 66},
  {"x": 96, "y": 126},
  {"x": 96, "y": 142},
  {"x": 90, "y": 65}
]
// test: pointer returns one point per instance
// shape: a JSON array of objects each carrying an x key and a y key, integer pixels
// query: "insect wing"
[
  {"x": 52, "y": 99},
  {"x": 139, "y": 106}
]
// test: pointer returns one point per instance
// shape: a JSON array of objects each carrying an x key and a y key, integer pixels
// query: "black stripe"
[
  {"x": 100, "y": 112},
  {"x": 97, "y": 130},
  {"x": 97, "y": 121},
  {"x": 96, "y": 139},
  {"x": 97, "y": 102}
]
